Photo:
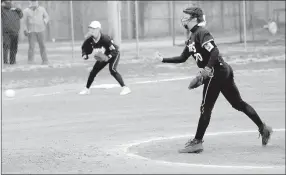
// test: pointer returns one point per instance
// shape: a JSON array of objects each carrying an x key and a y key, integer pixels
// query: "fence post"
[
  {"x": 114, "y": 21},
  {"x": 129, "y": 20},
  {"x": 72, "y": 28},
  {"x": 240, "y": 22},
  {"x": 137, "y": 29},
  {"x": 244, "y": 23},
  {"x": 173, "y": 29}
]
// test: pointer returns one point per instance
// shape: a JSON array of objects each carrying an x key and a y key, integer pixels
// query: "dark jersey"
[
  {"x": 105, "y": 45},
  {"x": 195, "y": 48}
]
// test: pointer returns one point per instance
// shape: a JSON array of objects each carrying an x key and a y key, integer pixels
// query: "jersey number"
[
  {"x": 192, "y": 48},
  {"x": 198, "y": 57}
]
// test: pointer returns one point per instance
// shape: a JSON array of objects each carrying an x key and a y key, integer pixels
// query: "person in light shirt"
[{"x": 35, "y": 20}]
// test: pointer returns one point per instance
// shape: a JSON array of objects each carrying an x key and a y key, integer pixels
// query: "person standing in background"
[
  {"x": 35, "y": 20},
  {"x": 10, "y": 30}
]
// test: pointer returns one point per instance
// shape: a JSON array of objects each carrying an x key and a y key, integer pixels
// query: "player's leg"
[
  {"x": 6, "y": 45},
  {"x": 41, "y": 41},
  {"x": 13, "y": 48},
  {"x": 232, "y": 94},
  {"x": 98, "y": 66},
  {"x": 210, "y": 94},
  {"x": 31, "y": 51},
  {"x": 113, "y": 63}
]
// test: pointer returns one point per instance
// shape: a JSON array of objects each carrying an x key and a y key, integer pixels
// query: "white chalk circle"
[{"x": 232, "y": 150}]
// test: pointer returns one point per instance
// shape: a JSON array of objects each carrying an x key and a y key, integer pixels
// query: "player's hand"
[
  {"x": 26, "y": 32},
  {"x": 158, "y": 56},
  {"x": 207, "y": 72},
  {"x": 85, "y": 57}
]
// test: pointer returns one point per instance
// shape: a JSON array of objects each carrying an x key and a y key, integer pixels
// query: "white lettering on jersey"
[
  {"x": 192, "y": 47},
  {"x": 111, "y": 47},
  {"x": 208, "y": 46},
  {"x": 197, "y": 56},
  {"x": 102, "y": 50}
]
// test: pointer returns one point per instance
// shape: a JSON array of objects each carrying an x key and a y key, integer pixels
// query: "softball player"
[
  {"x": 99, "y": 42},
  {"x": 216, "y": 76}
]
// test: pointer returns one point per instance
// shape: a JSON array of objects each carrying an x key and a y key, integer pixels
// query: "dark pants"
[
  {"x": 40, "y": 38},
  {"x": 98, "y": 66},
  {"x": 10, "y": 43},
  {"x": 223, "y": 81}
]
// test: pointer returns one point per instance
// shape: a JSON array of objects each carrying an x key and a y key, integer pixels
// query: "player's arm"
[
  {"x": 178, "y": 59},
  {"x": 19, "y": 12},
  {"x": 46, "y": 17},
  {"x": 25, "y": 23},
  {"x": 113, "y": 48},
  {"x": 207, "y": 42},
  {"x": 214, "y": 53},
  {"x": 86, "y": 48}
]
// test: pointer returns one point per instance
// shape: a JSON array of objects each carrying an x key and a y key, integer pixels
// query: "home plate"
[{"x": 105, "y": 86}]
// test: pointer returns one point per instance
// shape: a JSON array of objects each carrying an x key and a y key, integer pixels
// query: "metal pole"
[
  {"x": 137, "y": 28},
  {"x": 114, "y": 21},
  {"x": 244, "y": 23},
  {"x": 72, "y": 28},
  {"x": 119, "y": 21},
  {"x": 129, "y": 18},
  {"x": 173, "y": 21}
]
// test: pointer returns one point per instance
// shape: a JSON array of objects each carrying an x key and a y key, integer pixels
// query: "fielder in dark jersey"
[
  {"x": 216, "y": 75},
  {"x": 99, "y": 42}
]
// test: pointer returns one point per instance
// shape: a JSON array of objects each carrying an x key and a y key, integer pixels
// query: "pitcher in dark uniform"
[{"x": 216, "y": 76}]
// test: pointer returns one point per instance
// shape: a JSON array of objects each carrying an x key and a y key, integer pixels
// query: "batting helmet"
[{"x": 195, "y": 12}]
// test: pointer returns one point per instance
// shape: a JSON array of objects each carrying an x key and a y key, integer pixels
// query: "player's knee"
[
  {"x": 205, "y": 113},
  {"x": 113, "y": 72},
  {"x": 240, "y": 105}
]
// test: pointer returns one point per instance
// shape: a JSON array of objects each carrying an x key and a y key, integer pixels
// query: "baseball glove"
[
  {"x": 199, "y": 79},
  {"x": 99, "y": 56},
  {"x": 196, "y": 82}
]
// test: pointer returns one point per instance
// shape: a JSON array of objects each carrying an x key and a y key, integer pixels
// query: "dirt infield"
[
  {"x": 54, "y": 134},
  {"x": 49, "y": 128}
]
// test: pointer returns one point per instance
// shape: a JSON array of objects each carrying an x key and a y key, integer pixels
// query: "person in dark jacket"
[{"x": 10, "y": 30}]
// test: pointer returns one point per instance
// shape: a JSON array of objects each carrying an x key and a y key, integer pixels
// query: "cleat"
[
  {"x": 193, "y": 146},
  {"x": 126, "y": 90},
  {"x": 85, "y": 92},
  {"x": 265, "y": 132}
]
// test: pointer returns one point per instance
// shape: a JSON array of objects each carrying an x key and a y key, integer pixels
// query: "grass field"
[{"x": 49, "y": 128}]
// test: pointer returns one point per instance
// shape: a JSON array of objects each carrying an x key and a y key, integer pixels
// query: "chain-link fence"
[{"x": 160, "y": 20}]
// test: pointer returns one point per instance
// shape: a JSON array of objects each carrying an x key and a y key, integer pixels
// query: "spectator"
[
  {"x": 35, "y": 20},
  {"x": 10, "y": 30}
]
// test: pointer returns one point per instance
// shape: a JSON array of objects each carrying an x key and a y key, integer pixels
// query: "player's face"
[
  {"x": 7, "y": 4},
  {"x": 187, "y": 22},
  {"x": 34, "y": 3},
  {"x": 94, "y": 32}
]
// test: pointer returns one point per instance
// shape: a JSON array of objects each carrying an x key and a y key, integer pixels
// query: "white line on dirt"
[{"x": 124, "y": 149}]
